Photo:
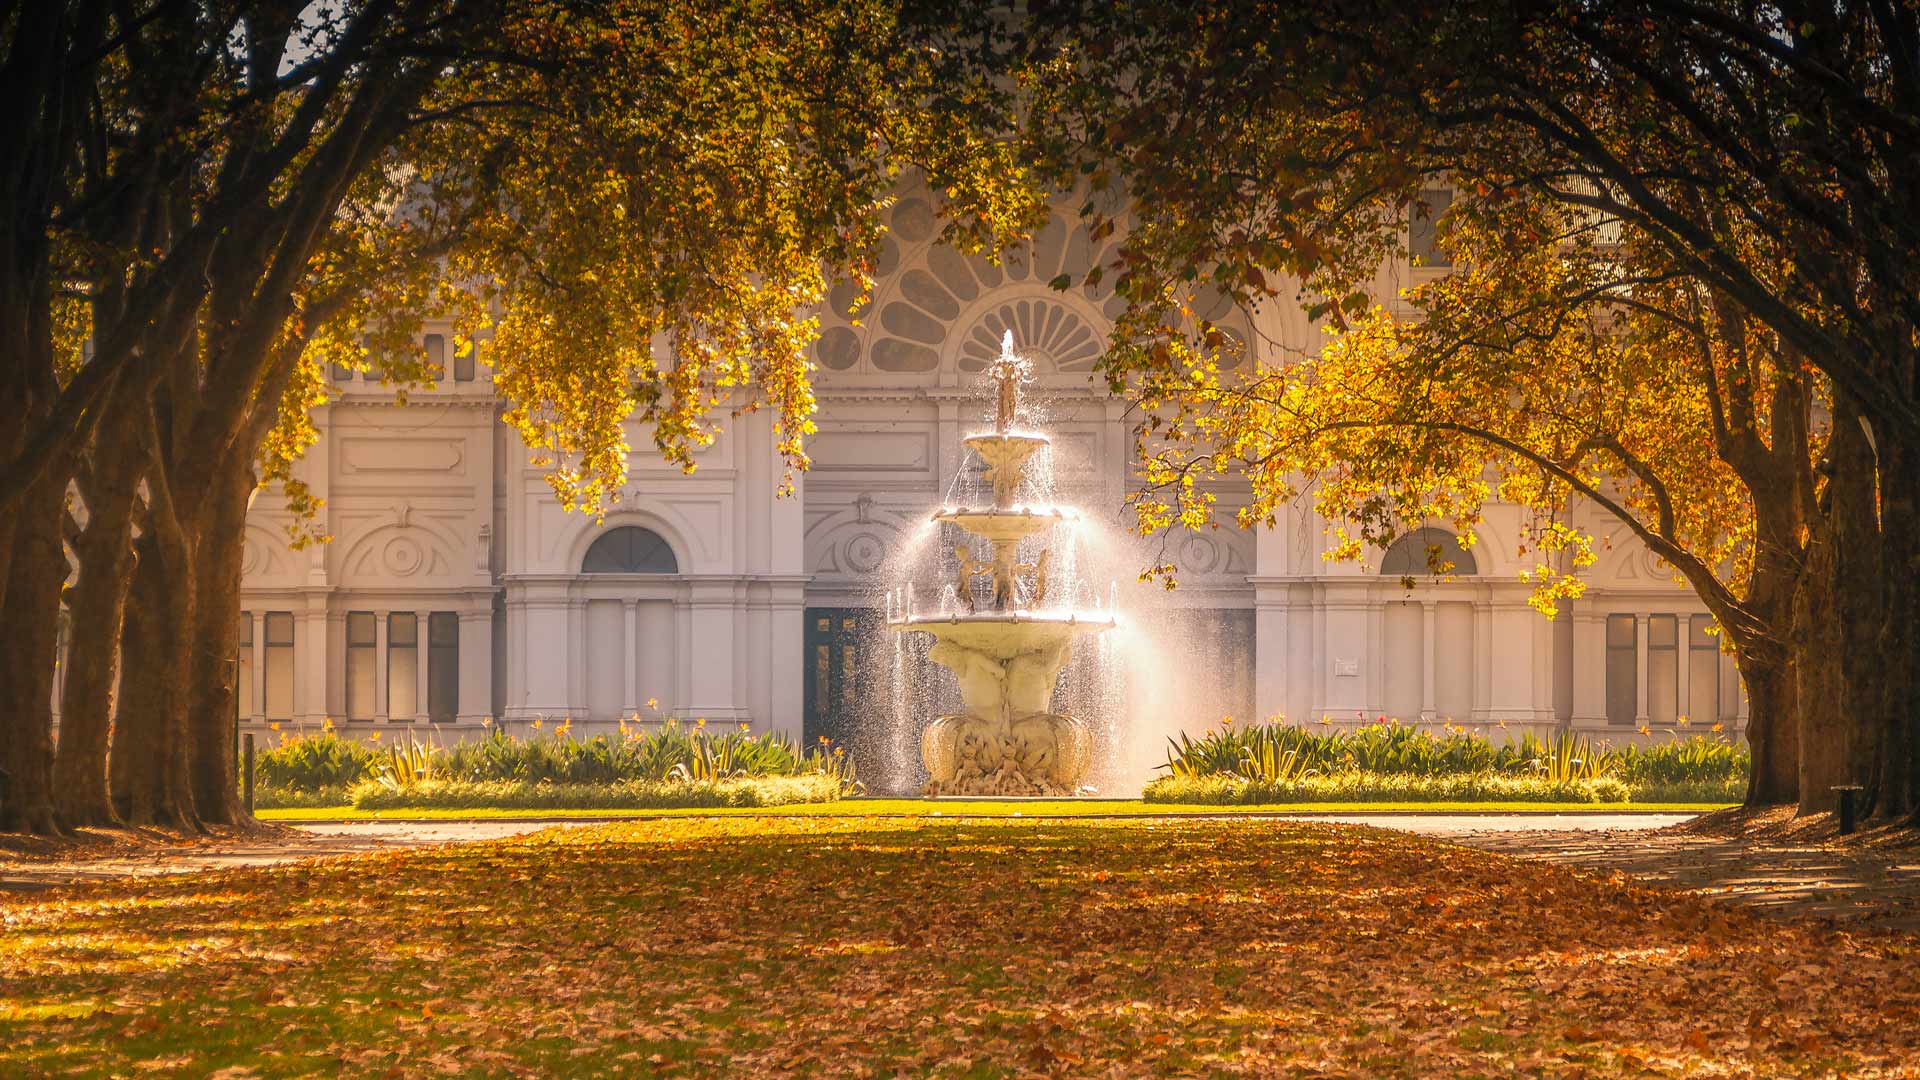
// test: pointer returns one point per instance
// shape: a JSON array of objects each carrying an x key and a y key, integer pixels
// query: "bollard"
[
  {"x": 248, "y": 782},
  {"x": 1846, "y": 793}
]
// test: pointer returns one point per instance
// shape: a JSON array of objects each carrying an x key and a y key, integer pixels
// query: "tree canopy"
[
  {"x": 635, "y": 202},
  {"x": 1687, "y": 237}
]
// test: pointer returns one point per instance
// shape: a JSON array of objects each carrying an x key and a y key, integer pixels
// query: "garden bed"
[
  {"x": 645, "y": 767},
  {"x": 1364, "y": 787}
]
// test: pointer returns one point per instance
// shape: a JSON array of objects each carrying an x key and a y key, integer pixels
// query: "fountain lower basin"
[{"x": 1007, "y": 742}]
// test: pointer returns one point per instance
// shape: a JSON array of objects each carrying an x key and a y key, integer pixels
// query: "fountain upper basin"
[
  {"x": 1004, "y": 635},
  {"x": 1015, "y": 523}
]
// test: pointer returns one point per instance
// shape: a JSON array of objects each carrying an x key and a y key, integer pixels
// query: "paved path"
[{"x": 342, "y": 838}]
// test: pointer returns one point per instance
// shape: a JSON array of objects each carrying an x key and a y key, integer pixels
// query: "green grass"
[{"x": 988, "y": 808}]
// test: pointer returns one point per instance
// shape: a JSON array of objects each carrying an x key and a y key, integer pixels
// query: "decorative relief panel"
[
  {"x": 871, "y": 451},
  {"x": 360, "y": 454}
]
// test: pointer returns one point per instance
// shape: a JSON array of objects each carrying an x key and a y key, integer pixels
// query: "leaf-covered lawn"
[{"x": 850, "y": 947}]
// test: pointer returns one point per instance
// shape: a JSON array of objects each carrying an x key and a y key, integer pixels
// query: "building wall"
[{"x": 434, "y": 506}]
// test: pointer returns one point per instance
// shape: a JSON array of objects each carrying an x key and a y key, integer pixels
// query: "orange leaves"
[{"x": 784, "y": 946}]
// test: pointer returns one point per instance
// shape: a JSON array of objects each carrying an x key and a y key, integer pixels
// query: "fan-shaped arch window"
[
  {"x": 630, "y": 549},
  {"x": 1410, "y": 554}
]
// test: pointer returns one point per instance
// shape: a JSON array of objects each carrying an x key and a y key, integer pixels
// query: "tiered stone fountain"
[{"x": 1004, "y": 643}]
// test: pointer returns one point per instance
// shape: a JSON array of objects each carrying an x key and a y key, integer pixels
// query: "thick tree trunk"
[
  {"x": 1844, "y": 685},
  {"x": 220, "y": 549},
  {"x": 31, "y": 620},
  {"x": 97, "y": 602},
  {"x": 1773, "y": 733},
  {"x": 1894, "y": 775},
  {"x": 150, "y": 759}
]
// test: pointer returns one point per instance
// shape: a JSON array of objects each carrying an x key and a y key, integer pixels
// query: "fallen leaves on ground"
[{"x": 861, "y": 947}]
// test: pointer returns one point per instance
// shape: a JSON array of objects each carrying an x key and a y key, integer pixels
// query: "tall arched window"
[
  {"x": 630, "y": 549},
  {"x": 1409, "y": 555}
]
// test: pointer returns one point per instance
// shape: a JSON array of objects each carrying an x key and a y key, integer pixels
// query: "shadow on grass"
[{"x": 978, "y": 948}]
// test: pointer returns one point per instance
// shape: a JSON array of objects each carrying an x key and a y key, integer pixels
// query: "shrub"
[
  {"x": 1385, "y": 787},
  {"x": 1402, "y": 750},
  {"x": 282, "y": 798},
  {"x": 626, "y": 794},
  {"x": 311, "y": 762},
  {"x": 669, "y": 753}
]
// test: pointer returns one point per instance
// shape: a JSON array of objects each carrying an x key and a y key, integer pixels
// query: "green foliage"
[
  {"x": 667, "y": 753},
  {"x": 1682, "y": 761},
  {"x": 1399, "y": 749},
  {"x": 627, "y": 794},
  {"x": 1385, "y": 787},
  {"x": 309, "y": 762},
  {"x": 405, "y": 766},
  {"x": 281, "y": 798}
]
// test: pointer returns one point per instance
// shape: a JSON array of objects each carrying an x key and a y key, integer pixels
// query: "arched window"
[
  {"x": 630, "y": 549},
  {"x": 1409, "y": 555}
]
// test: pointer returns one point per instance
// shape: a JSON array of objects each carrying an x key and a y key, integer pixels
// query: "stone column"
[
  {"x": 576, "y": 662},
  {"x": 422, "y": 663},
  {"x": 476, "y": 664},
  {"x": 310, "y": 651},
  {"x": 710, "y": 689},
  {"x": 256, "y": 700},
  {"x": 786, "y": 612},
  {"x": 1429, "y": 669},
  {"x": 380, "y": 666},
  {"x": 1640, "y": 628},
  {"x": 1683, "y": 665},
  {"x": 630, "y": 654},
  {"x": 1589, "y": 665},
  {"x": 1482, "y": 709}
]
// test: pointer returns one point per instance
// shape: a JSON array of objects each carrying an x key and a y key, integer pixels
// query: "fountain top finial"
[{"x": 1006, "y": 370}]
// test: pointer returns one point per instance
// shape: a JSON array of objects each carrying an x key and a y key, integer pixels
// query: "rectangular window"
[
  {"x": 1663, "y": 669},
  {"x": 243, "y": 669},
  {"x": 1423, "y": 241},
  {"x": 1703, "y": 671},
  {"x": 403, "y": 665},
  {"x": 362, "y": 655},
  {"x": 1623, "y": 677},
  {"x": 279, "y": 681},
  {"x": 437, "y": 355},
  {"x": 342, "y": 373},
  {"x": 443, "y": 666},
  {"x": 463, "y": 362}
]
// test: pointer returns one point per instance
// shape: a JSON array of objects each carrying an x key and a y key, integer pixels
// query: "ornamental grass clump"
[
  {"x": 708, "y": 766},
  {"x": 313, "y": 762},
  {"x": 1390, "y": 761}
]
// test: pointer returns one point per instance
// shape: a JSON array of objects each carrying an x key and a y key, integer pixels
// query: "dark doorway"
[{"x": 838, "y": 640}]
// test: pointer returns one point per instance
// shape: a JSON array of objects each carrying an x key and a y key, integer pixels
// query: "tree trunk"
[
  {"x": 220, "y": 548},
  {"x": 149, "y": 762},
  {"x": 1894, "y": 777},
  {"x": 1843, "y": 685},
  {"x": 1773, "y": 732},
  {"x": 97, "y": 602},
  {"x": 31, "y": 621}
]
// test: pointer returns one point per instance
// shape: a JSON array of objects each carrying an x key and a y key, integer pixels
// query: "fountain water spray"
[{"x": 1006, "y": 656}]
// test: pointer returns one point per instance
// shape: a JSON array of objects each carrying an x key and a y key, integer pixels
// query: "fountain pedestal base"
[{"x": 1038, "y": 753}]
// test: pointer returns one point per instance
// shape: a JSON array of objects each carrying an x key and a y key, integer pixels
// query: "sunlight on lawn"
[{"x": 770, "y": 946}]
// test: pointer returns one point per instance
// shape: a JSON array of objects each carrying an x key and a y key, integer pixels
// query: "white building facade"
[{"x": 456, "y": 590}]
